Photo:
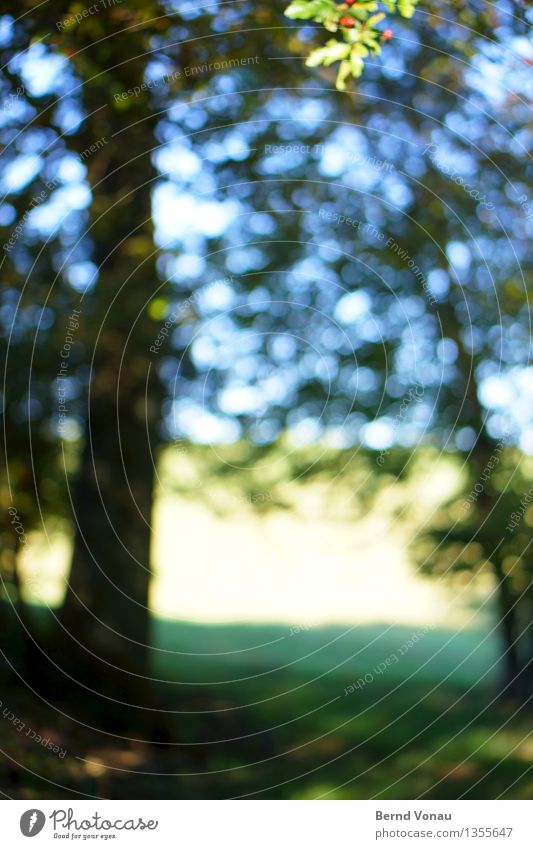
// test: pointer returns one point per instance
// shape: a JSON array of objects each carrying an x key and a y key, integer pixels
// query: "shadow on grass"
[{"x": 266, "y": 711}]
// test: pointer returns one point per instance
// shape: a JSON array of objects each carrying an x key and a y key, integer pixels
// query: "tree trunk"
[
  {"x": 17, "y": 628},
  {"x": 513, "y": 672},
  {"x": 105, "y": 613},
  {"x": 106, "y": 606}
]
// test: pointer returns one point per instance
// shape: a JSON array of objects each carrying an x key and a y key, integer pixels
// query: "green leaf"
[
  {"x": 309, "y": 9},
  {"x": 369, "y": 38},
  {"x": 334, "y": 51},
  {"x": 356, "y": 64},
  {"x": 375, "y": 19},
  {"x": 359, "y": 14},
  {"x": 406, "y": 8},
  {"x": 353, "y": 35},
  {"x": 344, "y": 72}
]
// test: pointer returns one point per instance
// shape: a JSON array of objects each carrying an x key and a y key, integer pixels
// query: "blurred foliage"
[{"x": 315, "y": 255}]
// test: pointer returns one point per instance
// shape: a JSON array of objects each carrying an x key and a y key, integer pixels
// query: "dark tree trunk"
[
  {"x": 513, "y": 678},
  {"x": 106, "y": 606},
  {"x": 17, "y": 629},
  {"x": 105, "y": 616},
  {"x": 514, "y": 671}
]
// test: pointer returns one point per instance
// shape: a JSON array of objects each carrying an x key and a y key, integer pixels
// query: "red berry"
[
  {"x": 349, "y": 2},
  {"x": 386, "y": 34},
  {"x": 347, "y": 22}
]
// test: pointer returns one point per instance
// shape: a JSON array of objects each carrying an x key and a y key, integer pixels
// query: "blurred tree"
[
  {"x": 30, "y": 486},
  {"x": 105, "y": 612},
  {"x": 485, "y": 529},
  {"x": 367, "y": 299},
  {"x": 97, "y": 112},
  {"x": 253, "y": 257}
]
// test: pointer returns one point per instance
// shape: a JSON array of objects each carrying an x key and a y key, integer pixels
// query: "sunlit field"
[
  {"x": 234, "y": 554},
  {"x": 286, "y": 663}
]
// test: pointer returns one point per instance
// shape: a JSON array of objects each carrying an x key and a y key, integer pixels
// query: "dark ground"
[{"x": 279, "y": 725}]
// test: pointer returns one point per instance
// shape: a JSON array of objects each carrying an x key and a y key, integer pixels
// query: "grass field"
[{"x": 258, "y": 711}]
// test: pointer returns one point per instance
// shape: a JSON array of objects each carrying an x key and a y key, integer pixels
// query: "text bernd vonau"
[{"x": 418, "y": 815}]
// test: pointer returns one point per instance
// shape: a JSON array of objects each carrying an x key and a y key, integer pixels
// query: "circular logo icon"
[{"x": 32, "y": 822}]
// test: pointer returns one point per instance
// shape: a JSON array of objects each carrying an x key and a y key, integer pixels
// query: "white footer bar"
[{"x": 269, "y": 823}]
